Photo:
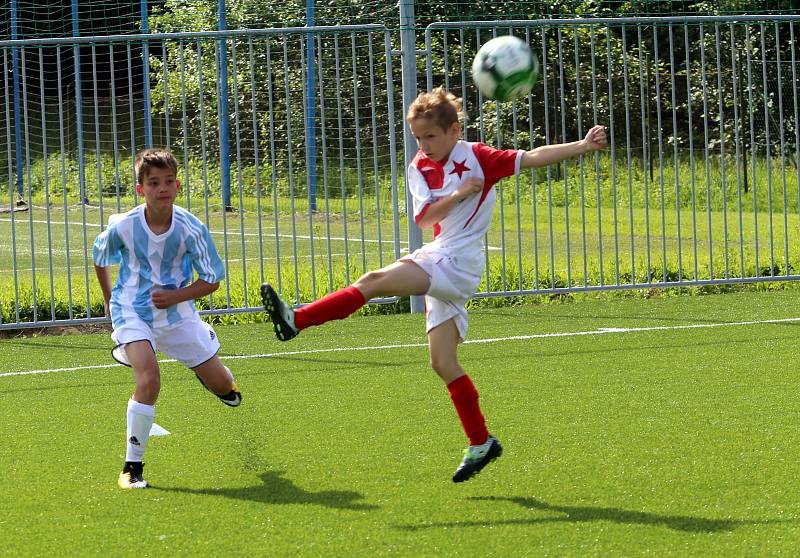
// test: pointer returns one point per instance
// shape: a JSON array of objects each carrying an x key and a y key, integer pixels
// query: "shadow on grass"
[
  {"x": 274, "y": 489},
  {"x": 328, "y": 364},
  {"x": 574, "y": 514}
]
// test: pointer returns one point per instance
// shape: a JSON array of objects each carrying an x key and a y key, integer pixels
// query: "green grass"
[{"x": 658, "y": 442}]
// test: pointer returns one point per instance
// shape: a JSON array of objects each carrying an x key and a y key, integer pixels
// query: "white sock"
[{"x": 140, "y": 419}]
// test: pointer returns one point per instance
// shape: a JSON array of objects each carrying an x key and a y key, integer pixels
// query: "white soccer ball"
[{"x": 505, "y": 68}]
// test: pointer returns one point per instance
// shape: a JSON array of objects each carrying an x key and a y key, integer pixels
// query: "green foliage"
[
  {"x": 731, "y": 67},
  {"x": 58, "y": 181},
  {"x": 37, "y": 305},
  {"x": 59, "y": 175},
  {"x": 266, "y": 87}
]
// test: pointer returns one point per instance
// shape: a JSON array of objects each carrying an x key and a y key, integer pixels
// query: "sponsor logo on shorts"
[{"x": 211, "y": 334}]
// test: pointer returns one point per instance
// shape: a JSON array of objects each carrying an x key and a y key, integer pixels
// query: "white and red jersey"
[{"x": 464, "y": 227}]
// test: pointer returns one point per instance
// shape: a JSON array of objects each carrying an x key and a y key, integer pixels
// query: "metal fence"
[
  {"x": 292, "y": 150},
  {"x": 700, "y": 184},
  {"x": 71, "y": 137}
]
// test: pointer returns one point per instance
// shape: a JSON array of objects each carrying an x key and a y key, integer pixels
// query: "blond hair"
[
  {"x": 440, "y": 106},
  {"x": 155, "y": 157}
]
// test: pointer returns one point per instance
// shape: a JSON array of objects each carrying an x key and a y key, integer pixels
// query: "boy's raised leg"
[
  {"x": 400, "y": 278},
  {"x": 288, "y": 322}
]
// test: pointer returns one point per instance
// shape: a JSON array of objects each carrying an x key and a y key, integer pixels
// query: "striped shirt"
[{"x": 149, "y": 261}]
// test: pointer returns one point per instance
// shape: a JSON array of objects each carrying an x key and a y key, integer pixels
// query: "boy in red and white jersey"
[{"x": 452, "y": 185}]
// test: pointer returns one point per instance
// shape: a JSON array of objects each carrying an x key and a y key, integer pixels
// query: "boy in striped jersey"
[{"x": 158, "y": 247}]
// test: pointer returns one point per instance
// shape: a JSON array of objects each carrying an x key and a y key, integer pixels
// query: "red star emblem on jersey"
[{"x": 459, "y": 168}]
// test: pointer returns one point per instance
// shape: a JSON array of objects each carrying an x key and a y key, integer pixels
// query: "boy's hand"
[
  {"x": 164, "y": 299},
  {"x": 595, "y": 138},
  {"x": 470, "y": 187}
]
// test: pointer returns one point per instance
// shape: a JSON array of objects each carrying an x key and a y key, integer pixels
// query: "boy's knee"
[
  {"x": 444, "y": 366},
  {"x": 369, "y": 284},
  {"x": 369, "y": 279},
  {"x": 149, "y": 384}
]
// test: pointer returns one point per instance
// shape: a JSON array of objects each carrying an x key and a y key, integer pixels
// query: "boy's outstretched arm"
[
  {"x": 166, "y": 298},
  {"x": 549, "y": 154}
]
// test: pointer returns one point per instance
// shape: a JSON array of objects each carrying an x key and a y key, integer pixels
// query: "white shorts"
[
  {"x": 452, "y": 285},
  {"x": 191, "y": 341}
]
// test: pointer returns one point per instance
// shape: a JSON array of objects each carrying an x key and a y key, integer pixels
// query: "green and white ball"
[{"x": 505, "y": 68}]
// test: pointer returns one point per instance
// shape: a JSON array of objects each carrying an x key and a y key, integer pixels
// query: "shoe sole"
[
  {"x": 133, "y": 486},
  {"x": 494, "y": 452},
  {"x": 125, "y": 484},
  {"x": 235, "y": 402},
  {"x": 272, "y": 303}
]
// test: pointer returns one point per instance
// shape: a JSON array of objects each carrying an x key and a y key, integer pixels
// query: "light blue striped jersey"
[{"x": 149, "y": 261}]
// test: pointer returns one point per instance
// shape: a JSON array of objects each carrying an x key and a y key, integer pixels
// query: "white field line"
[{"x": 600, "y": 331}]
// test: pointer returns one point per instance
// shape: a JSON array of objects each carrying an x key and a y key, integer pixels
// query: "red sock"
[
  {"x": 335, "y": 306},
  {"x": 465, "y": 399}
]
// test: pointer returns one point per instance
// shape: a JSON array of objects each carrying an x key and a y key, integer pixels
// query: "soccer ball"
[{"x": 505, "y": 68}]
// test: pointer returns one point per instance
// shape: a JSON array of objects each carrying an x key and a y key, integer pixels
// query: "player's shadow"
[
  {"x": 325, "y": 365},
  {"x": 277, "y": 490},
  {"x": 573, "y": 514}
]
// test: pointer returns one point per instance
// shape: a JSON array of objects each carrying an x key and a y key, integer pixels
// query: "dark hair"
[
  {"x": 443, "y": 108},
  {"x": 155, "y": 157}
]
